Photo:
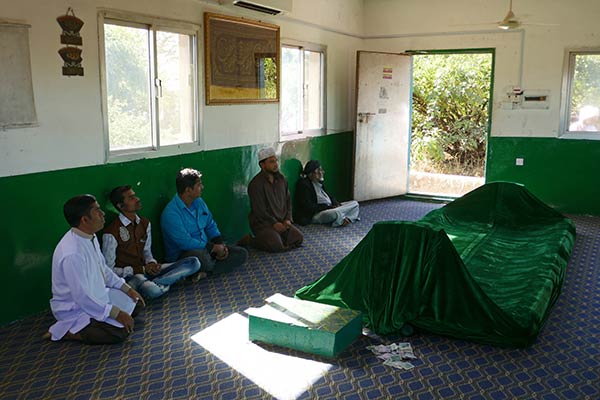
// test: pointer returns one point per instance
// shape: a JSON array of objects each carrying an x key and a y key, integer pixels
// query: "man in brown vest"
[{"x": 126, "y": 245}]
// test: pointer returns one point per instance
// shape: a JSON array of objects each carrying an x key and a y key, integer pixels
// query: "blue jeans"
[{"x": 151, "y": 287}]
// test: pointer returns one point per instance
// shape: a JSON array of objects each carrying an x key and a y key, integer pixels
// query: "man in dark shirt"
[
  {"x": 271, "y": 207},
  {"x": 315, "y": 205}
]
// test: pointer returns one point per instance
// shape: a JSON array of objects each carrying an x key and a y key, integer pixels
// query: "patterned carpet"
[{"x": 161, "y": 361}]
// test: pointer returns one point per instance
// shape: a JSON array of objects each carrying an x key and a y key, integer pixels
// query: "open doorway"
[{"x": 451, "y": 105}]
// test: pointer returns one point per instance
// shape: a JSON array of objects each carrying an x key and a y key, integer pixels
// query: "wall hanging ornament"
[
  {"x": 72, "y": 58},
  {"x": 71, "y": 54},
  {"x": 71, "y": 25}
]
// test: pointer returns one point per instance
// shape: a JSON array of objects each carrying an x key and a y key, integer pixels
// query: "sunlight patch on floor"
[{"x": 282, "y": 376}]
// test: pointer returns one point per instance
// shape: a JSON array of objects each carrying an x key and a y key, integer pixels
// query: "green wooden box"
[{"x": 304, "y": 325}]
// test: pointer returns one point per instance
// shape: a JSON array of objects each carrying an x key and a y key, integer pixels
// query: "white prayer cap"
[{"x": 265, "y": 153}]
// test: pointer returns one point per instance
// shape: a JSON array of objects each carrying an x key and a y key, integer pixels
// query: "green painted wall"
[
  {"x": 33, "y": 222},
  {"x": 563, "y": 173}
]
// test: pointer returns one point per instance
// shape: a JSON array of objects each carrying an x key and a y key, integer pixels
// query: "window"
[
  {"x": 150, "y": 85},
  {"x": 302, "y": 89},
  {"x": 580, "y": 107}
]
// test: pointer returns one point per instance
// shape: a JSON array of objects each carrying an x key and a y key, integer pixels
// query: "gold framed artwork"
[{"x": 242, "y": 60}]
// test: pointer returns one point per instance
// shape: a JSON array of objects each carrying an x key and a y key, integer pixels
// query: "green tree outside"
[
  {"x": 586, "y": 83},
  {"x": 451, "y": 94}
]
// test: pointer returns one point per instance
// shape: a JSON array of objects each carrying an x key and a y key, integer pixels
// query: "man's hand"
[
  {"x": 287, "y": 223},
  {"x": 152, "y": 268},
  {"x": 126, "y": 320},
  {"x": 280, "y": 227},
  {"x": 136, "y": 296},
  {"x": 221, "y": 251}
]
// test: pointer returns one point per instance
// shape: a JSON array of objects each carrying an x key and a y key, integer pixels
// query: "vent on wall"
[
  {"x": 271, "y": 7},
  {"x": 256, "y": 7}
]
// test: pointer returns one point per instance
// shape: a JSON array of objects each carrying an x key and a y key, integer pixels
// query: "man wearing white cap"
[{"x": 271, "y": 207}]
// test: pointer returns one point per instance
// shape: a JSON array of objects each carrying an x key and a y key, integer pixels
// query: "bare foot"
[{"x": 346, "y": 222}]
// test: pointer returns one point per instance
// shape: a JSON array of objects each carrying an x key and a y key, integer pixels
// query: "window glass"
[
  {"x": 176, "y": 99},
  {"x": 150, "y": 85},
  {"x": 127, "y": 87},
  {"x": 291, "y": 90},
  {"x": 313, "y": 104},
  {"x": 584, "y": 101},
  {"x": 302, "y": 90}
]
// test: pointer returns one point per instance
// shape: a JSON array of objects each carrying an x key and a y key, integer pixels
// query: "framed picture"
[{"x": 242, "y": 60}]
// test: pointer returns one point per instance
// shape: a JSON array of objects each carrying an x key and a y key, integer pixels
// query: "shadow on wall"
[{"x": 291, "y": 169}]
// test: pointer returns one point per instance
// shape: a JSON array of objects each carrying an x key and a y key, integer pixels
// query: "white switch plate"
[{"x": 519, "y": 161}]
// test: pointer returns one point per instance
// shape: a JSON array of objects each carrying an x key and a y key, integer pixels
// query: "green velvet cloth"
[{"x": 487, "y": 267}]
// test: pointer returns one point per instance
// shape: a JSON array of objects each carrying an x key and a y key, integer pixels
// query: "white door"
[{"x": 382, "y": 125}]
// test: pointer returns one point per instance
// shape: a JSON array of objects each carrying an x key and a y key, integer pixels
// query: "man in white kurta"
[{"x": 89, "y": 301}]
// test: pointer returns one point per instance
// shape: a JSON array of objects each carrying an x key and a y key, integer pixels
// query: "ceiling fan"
[{"x": 510, "y": 21}]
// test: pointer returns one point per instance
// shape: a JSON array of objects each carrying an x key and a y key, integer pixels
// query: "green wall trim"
[
  {"x": 33, "y": 220},
  {"x": 564, "y": 173}
]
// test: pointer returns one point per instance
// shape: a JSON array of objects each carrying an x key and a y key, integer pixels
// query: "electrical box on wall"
[
  {"x": 512, "y": 100},
  {"x": 536, "y": 99}
]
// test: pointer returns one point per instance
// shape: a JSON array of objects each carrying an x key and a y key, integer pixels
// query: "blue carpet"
[{"x": 160, "y": 361}]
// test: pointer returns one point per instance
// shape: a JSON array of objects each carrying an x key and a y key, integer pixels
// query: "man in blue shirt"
[{"x": 189, "y": 229}]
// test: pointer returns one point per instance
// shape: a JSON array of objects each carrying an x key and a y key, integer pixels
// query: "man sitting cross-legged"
[
  {"x": 315, "y": 205},
  {"x": 189, "y": 228},
  {"x": 127, "y": 247}
]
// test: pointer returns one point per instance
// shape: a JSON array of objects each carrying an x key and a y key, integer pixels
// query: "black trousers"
[
  {"x": 98, "y": 332},
  {"x": 237, "y": 256}
]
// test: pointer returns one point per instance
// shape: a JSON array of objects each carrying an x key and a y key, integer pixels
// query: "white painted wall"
[
  {"x": 532, "y": 58},
  {"x": 70, "y": 131}
]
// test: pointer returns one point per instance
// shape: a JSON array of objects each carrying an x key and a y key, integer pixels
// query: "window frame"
[
  {"x": 306, "y": 46},
  {"x": 153, "y": 24},
  {"x": 567, "y": 85}
]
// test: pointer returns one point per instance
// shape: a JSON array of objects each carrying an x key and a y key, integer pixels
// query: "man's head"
[
  {"x": 314, "y": 171},
  {"x": 189, "y": 183},
  {"x": 83, "y": 212},
  {"x": 267, "y": 160},
  {"x": 125, "y": 200}
]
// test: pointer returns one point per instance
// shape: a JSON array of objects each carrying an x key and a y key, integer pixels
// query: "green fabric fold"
[{"x": 487, "y": 267}]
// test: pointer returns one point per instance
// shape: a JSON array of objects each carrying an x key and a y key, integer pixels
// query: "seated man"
[
  {"x": 127, "y": 248},
  {"x": 90, "y": 302},
  {"x": 271, "y": 208},
  {"x": 190, "y": 230},
  {"x": 314, "y": 204}
]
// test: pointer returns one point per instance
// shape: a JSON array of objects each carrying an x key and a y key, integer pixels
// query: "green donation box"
[{"x": 304, "y": 325}]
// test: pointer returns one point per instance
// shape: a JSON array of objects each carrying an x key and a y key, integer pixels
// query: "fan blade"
[{"x": 539, "y": 24}]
